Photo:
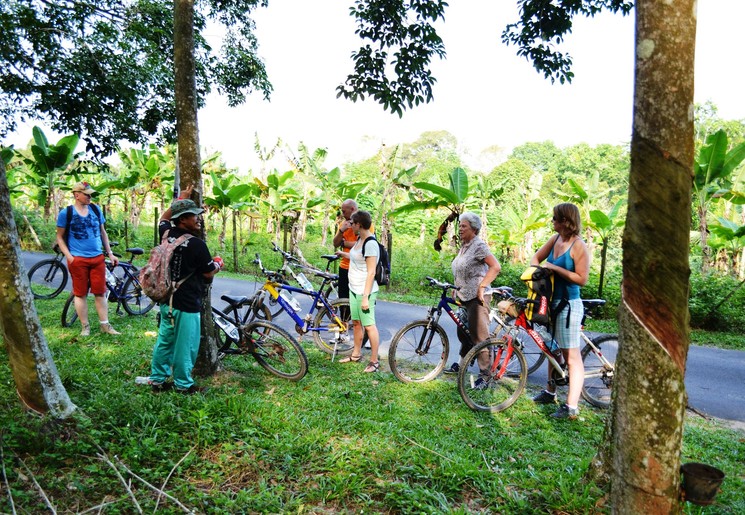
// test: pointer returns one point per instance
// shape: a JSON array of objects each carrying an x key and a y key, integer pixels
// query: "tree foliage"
[
  {"x": 544, "y": 24},
  {"x": 104, "y": 69}
]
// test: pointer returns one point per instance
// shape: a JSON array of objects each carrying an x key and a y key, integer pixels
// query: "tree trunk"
[
  {"x": 641, "y": 454},
  {"x": 37, "y": 382},
  {"x": 189, "y": 163}
]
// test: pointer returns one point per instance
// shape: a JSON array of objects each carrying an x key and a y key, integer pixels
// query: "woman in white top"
[{"x": 363, "y": 289}]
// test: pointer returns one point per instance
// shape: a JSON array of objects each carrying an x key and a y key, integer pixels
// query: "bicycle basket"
[{"x": 509, "y": 308}]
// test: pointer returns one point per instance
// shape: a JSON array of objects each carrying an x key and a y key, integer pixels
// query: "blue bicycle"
[
  {"x": 419, "y": 350},
  {"x": 331, "y": 326}
]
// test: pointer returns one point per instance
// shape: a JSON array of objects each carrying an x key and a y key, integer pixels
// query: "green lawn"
[{"x": 339, "y": 441}]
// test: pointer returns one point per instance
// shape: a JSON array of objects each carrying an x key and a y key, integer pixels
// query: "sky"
[{"x": 485, "y": 95}]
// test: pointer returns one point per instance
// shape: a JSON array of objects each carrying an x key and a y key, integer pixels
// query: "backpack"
[
  {"x": 540, "y": 283},
  {"x": 95, "y": 210},
  {"x": 383, "y": 268},
  {"x": 155, "y": 277}
]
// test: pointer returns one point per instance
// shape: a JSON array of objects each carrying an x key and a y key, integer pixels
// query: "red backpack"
[{"x": 155, "y": 276}]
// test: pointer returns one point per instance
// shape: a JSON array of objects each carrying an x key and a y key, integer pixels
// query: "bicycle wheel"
[
  {"x": 418, "y": 352},
  {"x": 276, "y": 350},
  {"x": 46, "y": 275},
  {"x": 331, "y": 337},
  {"x": 242, "y": 314},
  {"x": 498, "y": 388},
  {"x": 134, "y": 300},
  {"x": 69, "y": 315},
  {"x": 599, "y": 372},
  {"x": 533, "y": 354}
]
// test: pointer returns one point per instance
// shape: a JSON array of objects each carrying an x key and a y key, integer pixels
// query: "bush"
[{"x": 706, "y": 306}]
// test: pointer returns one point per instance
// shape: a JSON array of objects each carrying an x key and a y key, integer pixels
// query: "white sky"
[{"x": 485, "y": 95}]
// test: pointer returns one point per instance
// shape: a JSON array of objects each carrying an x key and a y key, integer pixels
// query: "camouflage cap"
[{"x": 186, "y": 206}]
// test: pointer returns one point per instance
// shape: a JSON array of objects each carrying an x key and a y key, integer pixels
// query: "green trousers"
[{"x": 176, "y": 348}]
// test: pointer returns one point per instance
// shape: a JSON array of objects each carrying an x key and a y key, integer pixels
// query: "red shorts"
[{"x": 88, "y": 274}]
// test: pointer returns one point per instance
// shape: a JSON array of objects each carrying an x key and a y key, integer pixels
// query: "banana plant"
[
  {"x": 453, "y": 199},
  {"x": 604, "y": 224},
  {"x": 712, "y": 171},
  {"x": 46, "y": 163},
  {"x": 226, "y": 198}
]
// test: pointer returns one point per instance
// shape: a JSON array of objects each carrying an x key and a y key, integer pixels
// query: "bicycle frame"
[
  {"x": 435, "y": 313},
  {"x": 274, "y": 286},
  {"x": 561, "y": 377}
]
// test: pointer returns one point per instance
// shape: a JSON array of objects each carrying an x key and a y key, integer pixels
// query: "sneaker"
[
  {"x": 191, "y": 390},
  {"x": 480, "y": 384},
  {"x": 453, "y": 368},
  {"x": 86, "y": 330},
  {"x": 565, "y": 411},
  {"x": 545, "y": 398},
  {"x": 108, "y": 329},
  {"x": 161, "y": 387}
]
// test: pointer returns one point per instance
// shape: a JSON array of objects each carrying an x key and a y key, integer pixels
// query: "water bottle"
[
  {"x": 304, "y": 282},
  {"x": 110, "y": 278},
  {"x": 142, "y": 380},
  {"x": 292, "y": 301},
  {"x": 229, "y": 328}
]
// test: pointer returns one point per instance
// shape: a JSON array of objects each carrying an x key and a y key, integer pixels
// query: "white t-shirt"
[{"x": 358, "y": 266}]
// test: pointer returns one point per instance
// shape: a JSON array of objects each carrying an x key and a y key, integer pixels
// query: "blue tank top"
[{"x": 564, "y": 289}]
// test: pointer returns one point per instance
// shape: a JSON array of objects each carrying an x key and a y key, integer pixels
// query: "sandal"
[
  {"x": 350, "y": 359},
  {"x": 372, "y": 366}
]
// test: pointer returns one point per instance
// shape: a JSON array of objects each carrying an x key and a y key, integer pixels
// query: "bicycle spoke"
[
  {"x": 499, "y": 384},
  {"x": 418, "y": 354}
]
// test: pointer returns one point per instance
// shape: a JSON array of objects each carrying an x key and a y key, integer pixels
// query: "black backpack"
[{"x": 383, "y": 268}]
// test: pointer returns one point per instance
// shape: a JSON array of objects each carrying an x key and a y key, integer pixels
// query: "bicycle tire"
[
  {"x": 598, "y": 385},
  {"x": 410, "y": 366},
  {"x": 135, "y": 302},
  {"x": 344, "y": 338},
  {"x": 69, "y": 315},
  {"x": 276, "y": 350},
  {"x": 274, "y": 307},
  {"x": 497, "y": 393},
  {"x": 534, "y": 356},
  {"x": 49, "y": 273},
  {"x": 242, "y": 317}
]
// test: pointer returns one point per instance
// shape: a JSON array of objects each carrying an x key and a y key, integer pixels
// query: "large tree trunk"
[
  {"x": 37, "y": 381},
  {"x": 189, "y": 162},
  {"x": 642, "y": 449}
]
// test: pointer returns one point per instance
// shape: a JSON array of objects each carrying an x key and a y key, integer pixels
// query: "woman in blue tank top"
[{"x": 567, "y": 256}]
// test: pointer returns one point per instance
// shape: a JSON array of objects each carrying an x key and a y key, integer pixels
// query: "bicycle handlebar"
[{"x": 439, "y": 284}]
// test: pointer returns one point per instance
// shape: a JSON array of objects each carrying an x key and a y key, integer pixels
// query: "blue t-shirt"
[{"x": 84, "y": 237}]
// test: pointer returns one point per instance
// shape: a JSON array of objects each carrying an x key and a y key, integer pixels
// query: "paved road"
[{"x": 715, "y": 378}]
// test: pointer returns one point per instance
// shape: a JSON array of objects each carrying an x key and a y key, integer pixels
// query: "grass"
[{"x": 339, "y": 441}]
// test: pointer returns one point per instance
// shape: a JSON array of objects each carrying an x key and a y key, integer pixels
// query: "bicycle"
[
  {"x": 48, "y": 274},
  {"x": 502, "y": 384},
  {"x": 123, "y": 286},
  {"x": 271, "y": 346},
  {"x": 333, "y": 317},
  {"x": 419, "y": 350},
  {"x": 289, "y": 264}
]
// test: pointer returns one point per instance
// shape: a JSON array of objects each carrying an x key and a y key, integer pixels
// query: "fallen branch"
[
  {"x": 106, "y": 460},
  {"x": 99, "y": 507},
  {"x": 5, "y": 477},
  {"x": 154, "y": 488},
  {"x": 38, "y": 486},
  {"x": 163, "y": 486},
  {"x": 430, "y": 450}
]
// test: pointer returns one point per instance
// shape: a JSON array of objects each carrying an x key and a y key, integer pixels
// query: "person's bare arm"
[{"x": 185, "y": 194}]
